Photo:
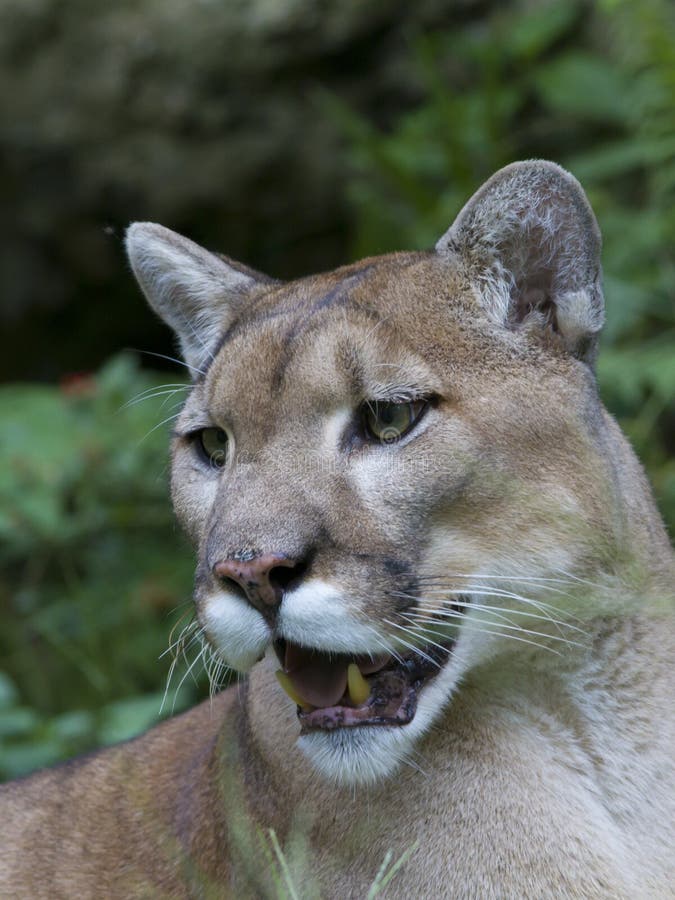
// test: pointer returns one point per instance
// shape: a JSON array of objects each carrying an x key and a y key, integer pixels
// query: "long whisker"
[
  {"x": 184, "y": 630},
  {"x": 542, "y": 605},
  {"x": 408, "y": 760},
  {"x": 168, "y": 419},
  {"x": 383, "y": 644},
  {"x": 546, "y": 609},
  {"x": 542, "y": 584},
  {"x": 454, "y": 601},
  {"x": 413, "y": 647},
  {"x": 172, "y": 359},
  {"x": 497, "y": 612},
  {"x": 156, "y": 391},
  {"x": 168, "y": 684},
  {"x": 190, "y": 672},
  {"x": 518, "y": 628},
  {"x": 184, "y": 645},
  {"x": 166, "y": 394},
  {"x": 524, "y": 578},
  {"x": 543, "y": 614},
  {"x": 169, "y": 677},
  {"x": 453, "y": 612},
  {"x": 216, "y": 669},
  {"x": 179, "y": 648},
  {"x": 513, "y": 637},
  {"x": 571, "y": 577},
  {"x": 180, "y": 640},
  {"x": 166, "y": 385}
]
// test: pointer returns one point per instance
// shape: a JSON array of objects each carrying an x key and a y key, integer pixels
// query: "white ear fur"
[
  {"x": 196, "y": 293},
  {"x": 532, "y": 244}
]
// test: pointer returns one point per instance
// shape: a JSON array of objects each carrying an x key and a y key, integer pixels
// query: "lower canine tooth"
[
  {"x": 357, "y": 686},
  {"x": 287, "y": 685}
]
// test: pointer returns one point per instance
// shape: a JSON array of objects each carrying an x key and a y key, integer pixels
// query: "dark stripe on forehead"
[
  {"x": 309, "y": 305},
  {"x": 337, "y": 296},
  {"x": 303, "y": 315}
]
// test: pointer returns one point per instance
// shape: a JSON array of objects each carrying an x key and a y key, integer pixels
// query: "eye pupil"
[
  {"x": 213, "y": 446},
  {"x": 387, "y": 422}
]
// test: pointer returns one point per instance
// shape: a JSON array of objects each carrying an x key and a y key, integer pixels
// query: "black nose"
[{"x": 264, "y": 579}]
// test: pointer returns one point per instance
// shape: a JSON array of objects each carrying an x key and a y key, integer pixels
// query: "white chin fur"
[
  {"x": 363, "y": 755},
  {"x": 235, "y": 629},
  {"x": 367, "y": 754}
]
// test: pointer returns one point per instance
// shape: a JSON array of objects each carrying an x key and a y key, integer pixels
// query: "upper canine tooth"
[
  {"x": 357, "y": 686},
  {"x": 287, "y": 685}
]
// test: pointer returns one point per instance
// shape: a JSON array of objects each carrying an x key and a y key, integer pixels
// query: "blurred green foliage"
[{"x": 93, "y": 573}]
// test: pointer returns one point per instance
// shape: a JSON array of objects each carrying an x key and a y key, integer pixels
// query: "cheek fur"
[{"x": 193, "y": 496}]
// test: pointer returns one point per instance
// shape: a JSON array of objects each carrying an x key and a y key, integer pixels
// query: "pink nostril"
[{"x": 262, "y": 578}]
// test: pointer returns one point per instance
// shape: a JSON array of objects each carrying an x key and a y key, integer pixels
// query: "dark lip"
[
  {"x": 393, "y": 697},
  {"x": 279, "y": 646}
]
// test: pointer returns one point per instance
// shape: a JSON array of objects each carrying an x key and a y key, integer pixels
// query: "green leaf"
[
  {"x": 72, "y": 726},
  {"x": 8, "y": 692},
  {"x": 17, "y": 721},
  {"x": 20, "y": 759},
  {"x": 585, "y": 87},
  {"x": 532, "y": 32},
  {"x": 125, "y": 719}
]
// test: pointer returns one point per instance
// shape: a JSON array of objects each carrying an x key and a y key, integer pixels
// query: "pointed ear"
[
  {"x": 197, "y": 293},
  {"x": 530, "y": 241}
]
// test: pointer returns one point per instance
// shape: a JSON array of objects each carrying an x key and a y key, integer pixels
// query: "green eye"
[
  {"x": 386, "y": 422},
  {"x": 213, "y": 445}
]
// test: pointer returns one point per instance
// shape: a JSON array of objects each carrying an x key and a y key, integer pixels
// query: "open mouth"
[{"x": 334, "y": 690}]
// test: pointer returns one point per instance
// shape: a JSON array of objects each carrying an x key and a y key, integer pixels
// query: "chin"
[
  {"x": 369, "y": 754},
  {"x": 364, "y": 755}
]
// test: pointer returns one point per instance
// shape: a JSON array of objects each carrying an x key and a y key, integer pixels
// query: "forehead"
[{"x": 330, "y": 331}]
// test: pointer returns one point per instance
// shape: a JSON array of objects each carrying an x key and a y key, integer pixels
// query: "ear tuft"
[
  {"x": 532, "y": 245},
  {"x": 197, "y": 293}
]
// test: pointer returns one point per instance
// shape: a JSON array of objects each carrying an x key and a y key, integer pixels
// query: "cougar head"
[{"x": 381, "y": 466}]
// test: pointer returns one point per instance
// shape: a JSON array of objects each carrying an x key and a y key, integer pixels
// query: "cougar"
[{"x": 437, "y": 560}]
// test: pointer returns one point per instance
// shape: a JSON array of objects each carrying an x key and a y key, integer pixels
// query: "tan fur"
[{"x": 540, "y": 766}]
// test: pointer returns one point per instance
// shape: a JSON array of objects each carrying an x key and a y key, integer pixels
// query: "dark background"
[{"x": 214, "y": 118}]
